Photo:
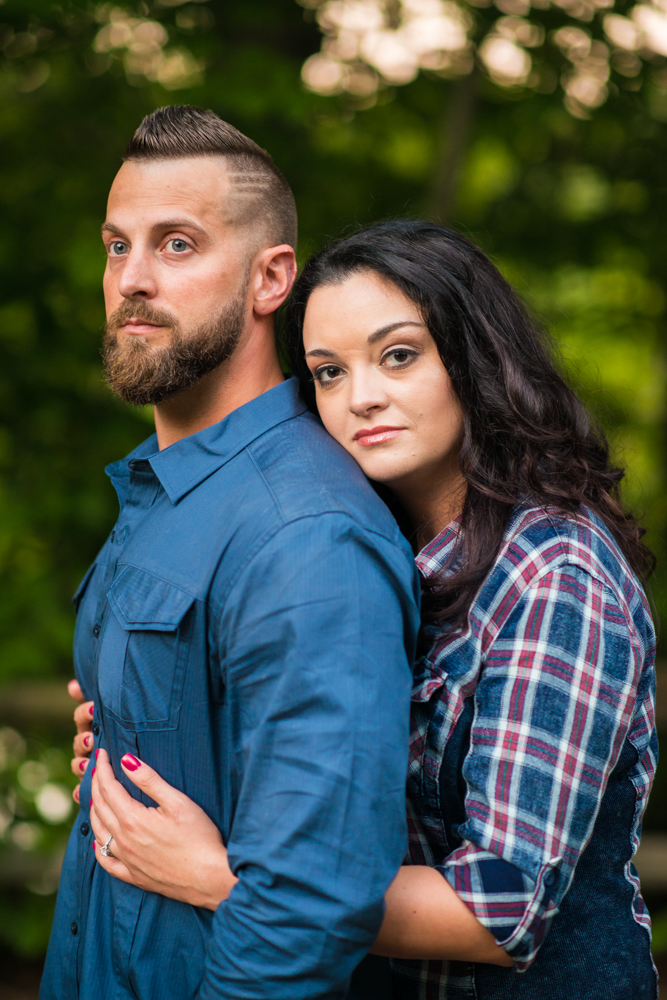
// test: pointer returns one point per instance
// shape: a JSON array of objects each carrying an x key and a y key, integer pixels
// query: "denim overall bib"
[{"x": 594, "y": 950}]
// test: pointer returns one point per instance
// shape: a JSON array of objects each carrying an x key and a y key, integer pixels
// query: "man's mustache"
[{"x": 139, "y": 310}]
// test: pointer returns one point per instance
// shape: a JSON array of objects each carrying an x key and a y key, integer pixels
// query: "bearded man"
[{"x": 248, "y": 626}]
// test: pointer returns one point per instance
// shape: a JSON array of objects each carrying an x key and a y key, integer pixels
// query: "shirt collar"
[
  {"x": 438, "y": 551},
  {"x": 185, "y": 464}
]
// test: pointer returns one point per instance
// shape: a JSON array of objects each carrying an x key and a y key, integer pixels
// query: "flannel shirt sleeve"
[{"x": 553, "y": 706}]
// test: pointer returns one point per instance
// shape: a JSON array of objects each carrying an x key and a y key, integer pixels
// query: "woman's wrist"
[{"x": 216, "y": 881}]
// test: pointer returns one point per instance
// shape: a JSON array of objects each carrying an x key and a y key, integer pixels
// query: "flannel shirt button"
[
  {"x": 74, "y": 928},
  {"x": 96, "y": 631},
  {"x": 85, "y": 829},
  {"x": 550, "y": 879},
  {"x": 96, "y": 729}
]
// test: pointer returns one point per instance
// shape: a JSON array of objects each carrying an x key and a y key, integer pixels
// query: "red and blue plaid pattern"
[{"x": 558, "y": 656}]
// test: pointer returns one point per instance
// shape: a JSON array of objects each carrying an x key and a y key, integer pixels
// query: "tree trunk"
[{"x": 455, "y": 132}]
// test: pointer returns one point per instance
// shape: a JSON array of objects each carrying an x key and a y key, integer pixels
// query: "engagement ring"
[{"x": 104, "y": 849}]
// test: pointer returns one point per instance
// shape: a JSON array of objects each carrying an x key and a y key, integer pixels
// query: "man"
[{"x": 248, "y": 626}]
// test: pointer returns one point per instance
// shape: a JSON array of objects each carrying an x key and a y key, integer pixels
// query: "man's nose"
[
  {"x": 367, "y": 393},
  {"x": 136, "y": 277}
]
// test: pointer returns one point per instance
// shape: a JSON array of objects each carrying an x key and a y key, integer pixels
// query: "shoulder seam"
[{"x": 269, "y": 535}]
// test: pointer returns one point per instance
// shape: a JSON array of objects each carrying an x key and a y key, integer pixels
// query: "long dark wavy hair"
[{"x": 527, "y": 437}]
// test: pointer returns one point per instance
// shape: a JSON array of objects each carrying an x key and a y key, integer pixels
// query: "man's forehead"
[{"x": 199, "y": 186}]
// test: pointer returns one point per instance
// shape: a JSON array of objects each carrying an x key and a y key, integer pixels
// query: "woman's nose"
[{"x": 366, "y": 395}]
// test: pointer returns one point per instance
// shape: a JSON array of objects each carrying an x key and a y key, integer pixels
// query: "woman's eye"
[
  {"x": 398, "y": 358},
  {"x": 328, "y": 374},
  {"x": 117, "y": 248},
  {"x": 178, "y": 246}
]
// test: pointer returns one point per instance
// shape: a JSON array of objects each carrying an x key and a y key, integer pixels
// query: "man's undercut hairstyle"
[{"x": 264, "y": 199}]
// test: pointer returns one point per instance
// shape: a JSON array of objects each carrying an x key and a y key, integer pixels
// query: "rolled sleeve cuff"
[{"x": 516, "y": 908}]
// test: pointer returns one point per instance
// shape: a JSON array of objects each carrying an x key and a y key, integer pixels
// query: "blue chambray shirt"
[{"x": 248, "y": 630}]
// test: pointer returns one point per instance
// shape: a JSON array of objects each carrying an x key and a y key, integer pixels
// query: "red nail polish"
[
  {"x": 94, "y": 846},
  {"x": 130, "y": 762},
  {"x": 76, "y": 794},
  {"x": 93, "y": 771},
  {"x": 97, "y": 753},
  {"x": 82, "y": 765},
  {"x": 91, "y": 803},
  {"x": 91, "y": 709},
  {"x": 86, "y": 741}
]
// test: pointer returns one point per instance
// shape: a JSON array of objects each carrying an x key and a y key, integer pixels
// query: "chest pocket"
[{"x": 144, "y": 650}]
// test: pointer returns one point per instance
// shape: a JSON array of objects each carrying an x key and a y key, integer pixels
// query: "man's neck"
[{"x": 252, "y": 370}]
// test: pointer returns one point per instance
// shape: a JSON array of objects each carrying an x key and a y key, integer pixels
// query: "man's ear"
[{"x": 274, "y": 271}]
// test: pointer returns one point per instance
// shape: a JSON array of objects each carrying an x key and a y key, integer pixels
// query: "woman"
[{"x": 533, "y": 744}]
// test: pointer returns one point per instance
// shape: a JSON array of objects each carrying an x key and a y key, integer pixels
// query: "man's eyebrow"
[
  {"x": 109, "y": 227},
  {"x": 165, "y": 225}
]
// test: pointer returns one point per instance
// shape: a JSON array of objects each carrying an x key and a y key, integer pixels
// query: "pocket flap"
[{"x": 143, "y": 601}]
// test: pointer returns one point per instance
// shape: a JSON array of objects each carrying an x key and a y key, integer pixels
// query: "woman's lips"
[{"x": 376, "y": 435}]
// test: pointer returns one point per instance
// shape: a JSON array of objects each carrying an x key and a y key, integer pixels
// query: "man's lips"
[
  {"x": 140, "y": 326},
  {"x": 376, "y": 435}
]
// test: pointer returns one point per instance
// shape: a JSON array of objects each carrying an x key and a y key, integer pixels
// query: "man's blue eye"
[
  {"x": 179, "y": 245},
  {"x": 118, "y": 247}
]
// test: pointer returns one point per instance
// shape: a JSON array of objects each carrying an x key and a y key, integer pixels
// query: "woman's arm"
[
  {"x": 424, "y": 918},
  {"x": 176, "y": 850}
]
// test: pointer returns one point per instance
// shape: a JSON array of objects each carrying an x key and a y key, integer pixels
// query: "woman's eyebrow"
[
  {"x": 384, "y": 330},
  {"x": 321, "y": 352}
]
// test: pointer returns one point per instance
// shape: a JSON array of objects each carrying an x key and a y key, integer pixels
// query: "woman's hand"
[
  {"x": 84, "y": 741},
  {"x": 174, "y": 850}
]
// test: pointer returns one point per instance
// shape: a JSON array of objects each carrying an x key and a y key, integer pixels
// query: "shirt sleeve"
[
  {"x": 317, "y": 639},
  {"x": 552, "y": 708}
]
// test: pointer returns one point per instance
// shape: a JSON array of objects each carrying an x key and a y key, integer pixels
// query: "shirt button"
[
  {"x": 96, "y": 729},
  {"x": 550, "y": 879},
  {"x": 85, "y": 829},
  {"x": 96, "y": 631},
  {"x": 74, "y": 927}
]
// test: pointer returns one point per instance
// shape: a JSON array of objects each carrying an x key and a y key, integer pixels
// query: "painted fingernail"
[
  {"x": 86, "y": 741},
  {"x": 97, "y": 753},
  {"x": 91, "y": 709},
  {"x": 91, "y": 802},
  {"x": 94, "y": 846},
  {"x": 83, "y": 765},
  {"x": 130, "y": 762},
  {"x": 76, "y": 794},
  {"x": 93, "y": 771}
]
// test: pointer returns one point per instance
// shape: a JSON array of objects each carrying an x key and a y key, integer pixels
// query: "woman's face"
[{"x": 382, "y": 389}]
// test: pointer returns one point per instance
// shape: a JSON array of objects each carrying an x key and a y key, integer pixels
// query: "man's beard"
[{"x": 141, "y": 374}]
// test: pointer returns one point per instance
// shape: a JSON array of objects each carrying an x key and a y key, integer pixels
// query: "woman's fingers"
[
  {"x": 83, "y": 717},
  {"x": 117, "y": 868},
  {"x": 79, "y": 766},
  {"x": 150, "y": 782},
  {"x": 75, "y": 691},
  {"x": 112, "y": 802},
  {"x": 84, "y": 744}
]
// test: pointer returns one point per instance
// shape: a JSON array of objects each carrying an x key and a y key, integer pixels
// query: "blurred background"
[{"x": 537, "y": 127}]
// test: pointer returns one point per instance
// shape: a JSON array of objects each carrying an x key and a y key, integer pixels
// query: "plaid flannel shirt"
[{"x": 558, "y": 656}]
